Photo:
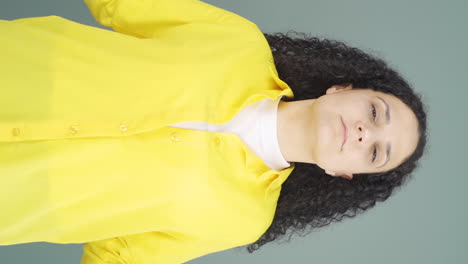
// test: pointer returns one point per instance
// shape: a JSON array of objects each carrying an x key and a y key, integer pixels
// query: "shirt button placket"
[
  {"x": 74, "y": 129},
  {"x": 175, "y": 137},
  {"x": 16, "y": 131}
]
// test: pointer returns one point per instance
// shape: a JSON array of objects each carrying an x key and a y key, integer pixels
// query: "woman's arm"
[
  {"x": 108, "y": 251},
  {"x": 155, "y": 247},
  {"x": 149, "y": 18}
]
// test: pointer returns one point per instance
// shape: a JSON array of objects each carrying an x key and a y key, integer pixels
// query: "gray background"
[{"x": 424, "y": 222}]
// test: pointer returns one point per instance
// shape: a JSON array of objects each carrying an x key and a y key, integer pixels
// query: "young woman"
[{"x": 188, "y": 131}]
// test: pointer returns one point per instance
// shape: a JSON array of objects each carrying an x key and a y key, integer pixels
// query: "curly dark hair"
[{"x": 309, "y": 197}]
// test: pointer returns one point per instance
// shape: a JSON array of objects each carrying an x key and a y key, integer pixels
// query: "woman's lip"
[{"x": 345, "y": 132}]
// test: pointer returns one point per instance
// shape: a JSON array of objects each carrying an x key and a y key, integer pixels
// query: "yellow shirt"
[{"x": 86, "y": 153}]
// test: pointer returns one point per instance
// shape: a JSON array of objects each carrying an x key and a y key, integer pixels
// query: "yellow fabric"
[{"x": 86, "y": 153}]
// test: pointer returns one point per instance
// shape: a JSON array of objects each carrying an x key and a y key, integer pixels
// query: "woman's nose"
[{"x": 362, "y": 133}]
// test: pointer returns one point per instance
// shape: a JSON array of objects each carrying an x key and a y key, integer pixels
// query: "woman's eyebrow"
[
  {"x": 387, "y": 109},
  {"x": 387, "y": 158},
  {"x": 387, "y": 121}
]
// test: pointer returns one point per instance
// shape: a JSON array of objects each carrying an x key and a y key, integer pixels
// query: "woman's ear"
[
  {"x": 334, "y": 174},
  {"x": 339, "y": 88},
  {"x": 346, "y": 176}
]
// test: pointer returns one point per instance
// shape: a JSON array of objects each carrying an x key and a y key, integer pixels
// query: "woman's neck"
[{"x": 294, "y": 128}]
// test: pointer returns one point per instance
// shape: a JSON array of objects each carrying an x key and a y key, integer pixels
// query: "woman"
[
  {"x": 310, "y": 197},
  {"x": 157, "y": 143}
]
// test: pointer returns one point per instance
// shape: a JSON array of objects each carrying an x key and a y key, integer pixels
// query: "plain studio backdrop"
[{"x": 425, "y": 40}]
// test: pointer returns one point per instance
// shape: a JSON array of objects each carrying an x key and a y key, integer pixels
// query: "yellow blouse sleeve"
[
  {"x": 153, "y": 247},
  {"x": 108, "y": 251},
  {"x": 148, "y": 18}
]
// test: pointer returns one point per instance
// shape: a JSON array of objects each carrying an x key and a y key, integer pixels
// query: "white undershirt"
[{"x": 256, "y": 125}]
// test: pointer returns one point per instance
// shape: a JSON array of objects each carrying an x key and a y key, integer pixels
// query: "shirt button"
[
  {"x": 175, "y": 137},
  {"x": 123, "y": 128},
  {"x": 217, "y": 140},
  {"x": 16, "y": 131},
  {"x": 73, "y": 129}
]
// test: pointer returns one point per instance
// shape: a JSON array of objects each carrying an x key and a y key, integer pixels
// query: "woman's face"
[{"x": 362, "y": 131}]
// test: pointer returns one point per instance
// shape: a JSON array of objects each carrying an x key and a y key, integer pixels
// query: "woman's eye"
[
  {"x": 374, "y": 112},
  {"x": 374, "y": 154}
]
